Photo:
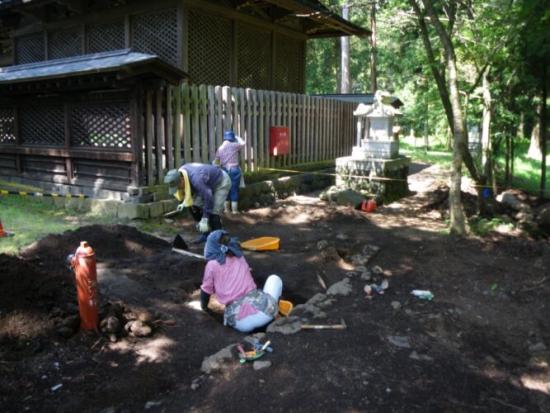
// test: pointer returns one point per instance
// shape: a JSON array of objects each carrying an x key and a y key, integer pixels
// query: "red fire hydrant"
[{"x": 84, "y": 266}]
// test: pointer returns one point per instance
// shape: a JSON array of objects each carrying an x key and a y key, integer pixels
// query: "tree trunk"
[
  {"x": 458, "y": 218},
  {"x": 486, "y": 148},
  {"x": 345, "y": 82},
  {"x": 373, "y": 75},
  {"x": 535, "y": 147},
  {"x": 442, "y": 86},
  {"x": 543, "y": 132}
]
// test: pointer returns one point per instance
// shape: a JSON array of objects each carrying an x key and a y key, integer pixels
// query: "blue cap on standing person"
[{"x": 229, "y": 135}]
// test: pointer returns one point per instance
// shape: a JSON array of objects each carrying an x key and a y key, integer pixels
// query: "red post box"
[{"x": 279, "y": 138}]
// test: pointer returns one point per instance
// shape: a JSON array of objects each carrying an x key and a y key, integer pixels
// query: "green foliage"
[{"x": 483, "y": 226}]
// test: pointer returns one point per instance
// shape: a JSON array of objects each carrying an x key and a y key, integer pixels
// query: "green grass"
[
  {"x": 30, "y": 219},
  {"x": 526, "y": 171},
  {"x": 419, "y": 154}
]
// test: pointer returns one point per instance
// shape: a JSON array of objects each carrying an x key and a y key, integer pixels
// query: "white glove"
[
  {"x": 203, "y": 226},
  {"x": 180, "y": 207}
]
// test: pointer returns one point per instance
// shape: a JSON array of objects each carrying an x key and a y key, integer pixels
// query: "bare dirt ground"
[{"x": 482, "y": 343}]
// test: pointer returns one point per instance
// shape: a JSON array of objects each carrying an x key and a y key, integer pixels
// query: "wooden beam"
[{"x": 69, "y": 153}]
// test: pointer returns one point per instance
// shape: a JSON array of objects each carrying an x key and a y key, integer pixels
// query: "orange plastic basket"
[
  {"x": 285, "y": 307},
  {"x": 261, "y": 244}
]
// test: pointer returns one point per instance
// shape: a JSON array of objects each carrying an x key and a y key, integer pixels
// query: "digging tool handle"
[
  {"x": 323, "y": 327},
  {"x": 188, "y": 253}
]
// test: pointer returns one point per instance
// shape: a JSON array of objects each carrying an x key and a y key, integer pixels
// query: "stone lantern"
[
  {"x": 375, "y": 137},
  {"x": 375, "y": 166}
]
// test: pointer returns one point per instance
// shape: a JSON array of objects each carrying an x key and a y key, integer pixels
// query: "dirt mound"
[{"x": 113, "y": 241}]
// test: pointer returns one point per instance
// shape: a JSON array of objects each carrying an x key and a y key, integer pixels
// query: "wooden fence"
[{"x": 194, "y": 117}]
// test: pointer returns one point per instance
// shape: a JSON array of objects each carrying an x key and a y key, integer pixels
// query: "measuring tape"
[{"x": 41, "y": 194}]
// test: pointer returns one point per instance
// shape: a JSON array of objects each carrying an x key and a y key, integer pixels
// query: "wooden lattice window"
[
  {"x": 289, "y": 65},
  {"x": 64, "y": 43},
  {"x": 253, "y": 57},
  {"x": 29, "y": 49},
  {"x": 105, "y": 37},
  {"x": 210, "y": 44},
  {"x": 7, "y": 126},
  {"x": 103, "y": 124},
  {"x": 157, "y": 33},
  {"x": 42, "y": 124}
]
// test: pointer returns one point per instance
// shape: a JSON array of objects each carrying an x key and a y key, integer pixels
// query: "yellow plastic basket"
[{"x": 261, "y": 244}]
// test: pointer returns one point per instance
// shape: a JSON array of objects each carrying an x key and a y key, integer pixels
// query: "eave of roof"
[
  {"x": 123, "y": 61},
  {"x": 316, "y": 12}
]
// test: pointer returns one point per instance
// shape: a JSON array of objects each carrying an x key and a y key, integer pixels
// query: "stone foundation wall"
[
  {"x": 253, "y": 196},
  {"x": 353, "y": 174}
]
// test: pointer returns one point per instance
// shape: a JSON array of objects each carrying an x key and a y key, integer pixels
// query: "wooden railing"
[{"x": 191, "y": 127}]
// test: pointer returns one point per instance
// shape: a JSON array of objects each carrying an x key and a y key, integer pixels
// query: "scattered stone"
[
  {"x": 420, "y": 357},
  {"x": 65, "y": 332},
  {"x": 260, "y": 364},
  {"x": 285, "y": 325},
  {"x": 341, "y": 236},
  {"x": 197, "y": 382},
  {"x": 110, "y": 325},
  {"x": 360, "y": 268},
  {"x": 396, "y": 305},
  {"x": 320, "y": 300},
  {"x": 510, "y": 199},
  {"x": 330, "y": 254},
  {"x": 144, "y": 315},
  {"x": 351, "y": 274},
  {"x": 138, "y": 328},
  {"x": 321, "y": 245},
  {"x": 258, "y": 337},
  {"x": 152, "y": 403},
  {"x": 359, "y": 260},
  {"x": 377, "y": 270},
  {"x": 110, "y": 409},
  {"x": 399, "y": 341},
  {"x": 537, "y": 348},
  {"x": 340, "y": 288},
  {"x": 366, "y": 275},
  {"x": 543, "y": 216},
  {"x": 216, "y": 361}
]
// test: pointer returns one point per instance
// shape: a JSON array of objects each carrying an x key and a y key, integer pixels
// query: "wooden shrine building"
[{"x": 80, "y": 79}]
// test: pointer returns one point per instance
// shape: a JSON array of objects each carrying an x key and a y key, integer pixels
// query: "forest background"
[{"x": 459, "y": 66}]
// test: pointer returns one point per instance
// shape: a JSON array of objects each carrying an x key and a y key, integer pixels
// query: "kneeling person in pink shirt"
[{"x": 227, "y": 275}]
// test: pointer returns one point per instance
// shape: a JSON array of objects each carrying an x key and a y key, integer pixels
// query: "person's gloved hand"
[
  {"x": 180, "y": 207},
  {"x": 203, "y": 226},
  {"x": 216, "y": 162}
]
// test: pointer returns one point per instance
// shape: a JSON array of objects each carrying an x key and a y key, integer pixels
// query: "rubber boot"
[
  {"x": 196, "y": 213},
  {"x": 227, "y": 207},
  {"x": 235, "y": 207}
]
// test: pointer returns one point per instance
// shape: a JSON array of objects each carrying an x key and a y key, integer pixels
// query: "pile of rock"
[
  {"x": 119, "y": 320},
  {"x": 528, "y": 218}
]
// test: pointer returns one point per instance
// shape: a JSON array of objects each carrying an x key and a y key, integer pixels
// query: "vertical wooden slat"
[
  {"x": 168, "y": 128},
  {"x": 159, "y": 135},
  {"x": 261, "y": 159},
  {"x": 203, "y": 116},
  {"x": 149, "y": 136},
  {"x": 249, "y": 130},
  {"x": 211, "y": 123},
  {"x": 219, "y": 116},
  {"x": 242, "y": 123},
  {"x": 187, "y": 136},
  {"x": 178, "y": 127},
  {"x": 195, "y": 123},
  {"x": 228, "y": 108}
]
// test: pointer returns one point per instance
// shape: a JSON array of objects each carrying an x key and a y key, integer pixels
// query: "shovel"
[{"x": 180, "y": 246}]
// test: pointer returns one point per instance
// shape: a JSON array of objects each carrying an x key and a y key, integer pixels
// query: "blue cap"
[{"x": 229, "y": 135}]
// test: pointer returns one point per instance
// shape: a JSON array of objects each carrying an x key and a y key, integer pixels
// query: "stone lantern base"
[{"x": 354, "y": 173}]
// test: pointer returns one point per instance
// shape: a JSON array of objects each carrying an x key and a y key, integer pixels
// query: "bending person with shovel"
[
  {"x": 203, "y": 189},
  {"x": 227, "y": 275}
]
